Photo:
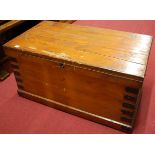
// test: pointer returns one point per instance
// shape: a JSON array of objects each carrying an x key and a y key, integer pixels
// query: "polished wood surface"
[
  {"x": 8, "y": 30},
  {"x": 3, "y": 21},
  {"x": 93, "y": 73},
  {"x": 108, "y": 49},
  {"x": 6, "y": 26}
]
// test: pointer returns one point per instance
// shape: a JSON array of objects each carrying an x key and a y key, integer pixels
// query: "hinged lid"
[{"x": 121, "y": 52}]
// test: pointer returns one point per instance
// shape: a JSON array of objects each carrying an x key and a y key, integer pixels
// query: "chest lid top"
[{"x": 117, "y": 51}]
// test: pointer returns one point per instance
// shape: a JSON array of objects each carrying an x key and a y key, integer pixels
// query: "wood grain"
[
  {"x": 8, "y": 25},
  {"x": 90, "y": 72},
  {"x": 112, "y": 50}
]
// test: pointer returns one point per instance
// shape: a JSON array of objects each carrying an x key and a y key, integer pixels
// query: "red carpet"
[{"x": 19, "y": 115}]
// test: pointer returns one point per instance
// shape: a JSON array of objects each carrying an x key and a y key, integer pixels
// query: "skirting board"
[{"x": 77, "y": 112}]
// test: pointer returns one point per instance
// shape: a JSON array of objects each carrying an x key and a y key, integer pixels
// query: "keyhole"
[{"x": 62, "y": 65}]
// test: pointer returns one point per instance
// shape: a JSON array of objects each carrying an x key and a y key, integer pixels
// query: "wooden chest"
[{"x": 91, "y": 72}]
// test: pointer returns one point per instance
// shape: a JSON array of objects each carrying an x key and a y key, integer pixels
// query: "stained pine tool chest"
[{"x": 93, "y": 73}]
